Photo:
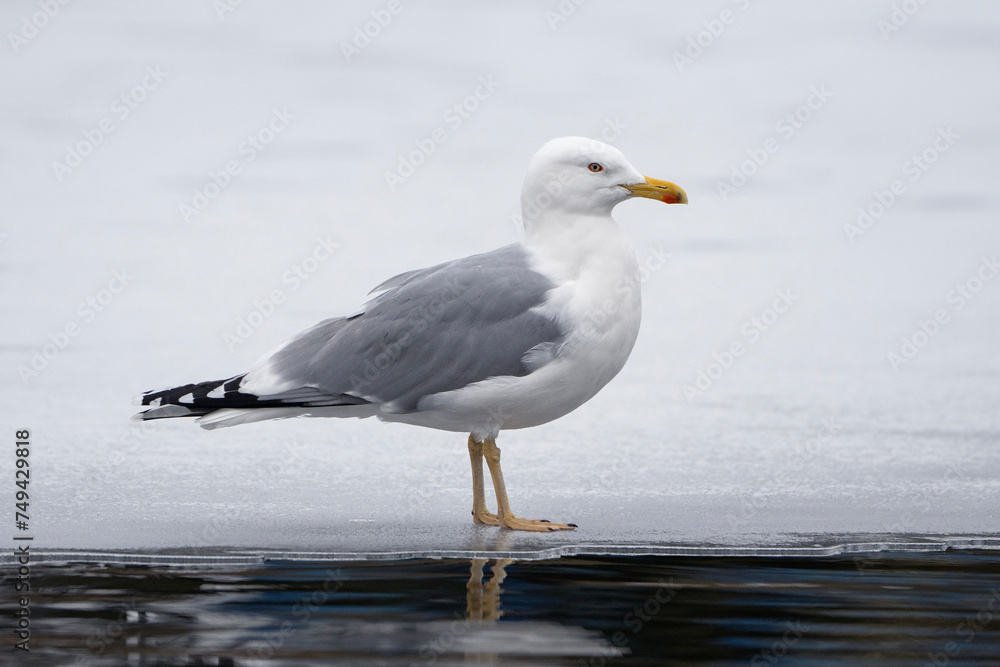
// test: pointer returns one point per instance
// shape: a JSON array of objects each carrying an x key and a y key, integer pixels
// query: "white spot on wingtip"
[
  {"x": 218, "y": 392},
  {"x": 264, "y": 381},
  {"x": 186, "y": 398}
]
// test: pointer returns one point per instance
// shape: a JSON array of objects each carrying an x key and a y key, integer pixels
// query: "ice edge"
[{"x": 250, "y": 556}]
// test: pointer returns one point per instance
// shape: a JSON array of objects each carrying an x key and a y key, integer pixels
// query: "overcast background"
[{"x": 118, "y": 277}]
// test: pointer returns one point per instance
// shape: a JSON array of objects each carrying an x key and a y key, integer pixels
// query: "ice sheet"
[{"x": 812, "y": 435}]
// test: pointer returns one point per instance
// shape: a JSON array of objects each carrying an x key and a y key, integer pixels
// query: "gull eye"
[{"x": 594, "y": 167}]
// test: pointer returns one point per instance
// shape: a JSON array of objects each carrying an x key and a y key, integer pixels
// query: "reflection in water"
[
  {"x": 482, "y": 602},
  {"x": 933, "y": 608},
  {"x": 479, "y": 639}
]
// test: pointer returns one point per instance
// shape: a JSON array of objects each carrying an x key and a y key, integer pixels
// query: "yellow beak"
[{"x": 663, "y": 191}]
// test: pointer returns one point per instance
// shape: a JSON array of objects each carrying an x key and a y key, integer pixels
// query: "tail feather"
[
  {"x": 204, "y": 398},
  {"x": 189, "y": 393}
]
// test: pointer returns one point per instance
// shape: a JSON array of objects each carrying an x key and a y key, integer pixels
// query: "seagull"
[{"x": 507, "y": 339}]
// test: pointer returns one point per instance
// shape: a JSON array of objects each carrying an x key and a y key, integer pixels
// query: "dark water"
[{"x": 936, "y": 609}]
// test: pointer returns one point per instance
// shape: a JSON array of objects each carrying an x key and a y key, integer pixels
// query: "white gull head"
[{"x": 576, "y": 176}]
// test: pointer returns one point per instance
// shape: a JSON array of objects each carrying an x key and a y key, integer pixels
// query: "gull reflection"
[
  {"x": 483, "y": 599},
  {"x": 487, "y": 639}
]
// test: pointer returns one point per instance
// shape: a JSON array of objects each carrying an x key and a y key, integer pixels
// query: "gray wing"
[{"x": 433, "y": 330}]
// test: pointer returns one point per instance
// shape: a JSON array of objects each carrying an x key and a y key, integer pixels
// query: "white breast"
[{"x": 597, "y": 299}]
